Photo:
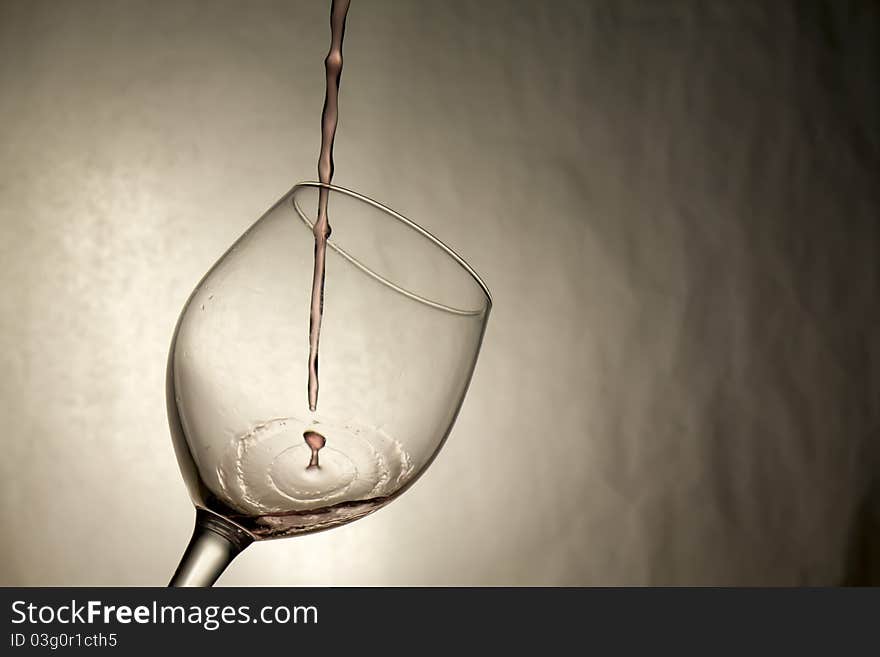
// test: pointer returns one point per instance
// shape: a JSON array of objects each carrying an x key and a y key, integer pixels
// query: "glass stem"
[{"x": 214, "y": 544}]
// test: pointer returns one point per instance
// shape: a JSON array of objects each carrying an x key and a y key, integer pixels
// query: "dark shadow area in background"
[
  {"x": 863, "y": 558},
  {"x": 840, "y": 23}
]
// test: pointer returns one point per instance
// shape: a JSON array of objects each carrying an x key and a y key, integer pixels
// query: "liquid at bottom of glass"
[{"x": 268, "y": 470}]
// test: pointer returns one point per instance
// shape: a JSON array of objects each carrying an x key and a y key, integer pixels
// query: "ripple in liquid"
[{"x": 267, "y": 470}]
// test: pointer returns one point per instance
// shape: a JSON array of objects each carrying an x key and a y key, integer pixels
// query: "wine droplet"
[{"x": 315, "y": 441}]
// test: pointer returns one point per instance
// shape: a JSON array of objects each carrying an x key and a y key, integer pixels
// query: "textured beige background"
[{"x": 672, "y": 203}]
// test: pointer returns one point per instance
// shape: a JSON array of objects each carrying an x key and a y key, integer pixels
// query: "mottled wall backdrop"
[{"x": 675, "y": 205}]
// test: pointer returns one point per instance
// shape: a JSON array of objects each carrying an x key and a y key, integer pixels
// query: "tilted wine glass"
[{"x": 404, "y": 318}]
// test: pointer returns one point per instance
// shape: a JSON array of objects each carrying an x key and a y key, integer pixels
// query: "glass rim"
[{"x": 408, "y": 223}]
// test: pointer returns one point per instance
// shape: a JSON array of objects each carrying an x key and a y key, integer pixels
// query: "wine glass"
[{"x": 404, "y": 317}]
